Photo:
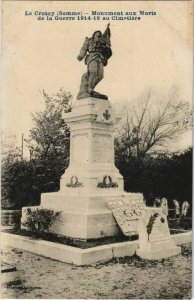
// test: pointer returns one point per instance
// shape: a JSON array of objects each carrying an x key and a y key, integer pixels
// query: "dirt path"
[{"x": 127, "y": 278}]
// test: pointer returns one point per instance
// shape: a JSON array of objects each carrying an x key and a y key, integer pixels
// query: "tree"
[
  {"x": 23, "y": 181},
  {"x": 167, "y": 175},
  {"x": 8, "y": 143},
  {"x": 150, "y": 123},
  {"x": 49, "y": 140},
  {"x": 19, "y": 183},
  {"x": 50, "y": 134}
]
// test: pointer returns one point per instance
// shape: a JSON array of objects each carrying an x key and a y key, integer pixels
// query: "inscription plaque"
[
  {"x": 101, "y": 148},
  {"x": 127, "y": 211},
  {"x": 80, "y": 148}
]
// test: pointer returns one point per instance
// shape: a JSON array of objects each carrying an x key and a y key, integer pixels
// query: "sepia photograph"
[{"x": 96, "y": 149}]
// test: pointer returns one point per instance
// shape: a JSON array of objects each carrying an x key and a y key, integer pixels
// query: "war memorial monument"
[{"x": 91, "y": 199}]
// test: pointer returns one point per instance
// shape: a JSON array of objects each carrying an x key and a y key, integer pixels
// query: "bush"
[
  {"x": 20, "y": 184},
  {"x": 40, "y": 220},
  {"x": 23, "y": 181}
]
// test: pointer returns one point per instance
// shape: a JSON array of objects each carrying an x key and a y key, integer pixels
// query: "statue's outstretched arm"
[{"x": 83, "y": 50}]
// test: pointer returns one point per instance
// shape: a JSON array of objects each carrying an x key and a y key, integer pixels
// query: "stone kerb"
[{"x": 78, "y": 256}]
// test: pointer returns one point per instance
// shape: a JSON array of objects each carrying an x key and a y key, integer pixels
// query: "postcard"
[{"x": 96, "y": 149}]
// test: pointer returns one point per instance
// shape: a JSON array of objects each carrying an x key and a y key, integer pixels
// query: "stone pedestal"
[
  {"x": 155, "y": 241},
  {"x": 91, "y": 177},
  {"x": 92, "y": 147}
]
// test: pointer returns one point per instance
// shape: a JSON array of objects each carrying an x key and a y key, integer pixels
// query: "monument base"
[
  {"x": 82, "y": 225},
  {"x": 159, "y": 250},
  {"x": 91, "y": 179},
  {"x": 84, "y": 215},
  {"x": 87, "y": 215}
]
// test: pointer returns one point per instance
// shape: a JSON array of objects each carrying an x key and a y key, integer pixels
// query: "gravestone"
[{"x": 155, "y": 241}]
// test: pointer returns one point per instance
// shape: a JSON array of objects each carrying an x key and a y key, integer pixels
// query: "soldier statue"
[{"x": 96, "y": 51}]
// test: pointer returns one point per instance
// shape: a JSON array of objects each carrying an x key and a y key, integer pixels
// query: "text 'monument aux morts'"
[{"x": 92, "y": 15}]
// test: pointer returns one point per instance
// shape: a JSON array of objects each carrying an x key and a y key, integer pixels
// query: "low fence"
[{"x": 10, "y": 217}]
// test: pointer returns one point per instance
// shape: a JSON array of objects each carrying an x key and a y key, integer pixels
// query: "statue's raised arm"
[{"x": 96, "y": 51}]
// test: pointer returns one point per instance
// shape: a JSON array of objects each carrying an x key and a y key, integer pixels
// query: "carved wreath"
[
  {"x": 107, "y": 183},
  {"x": 151, "y": 222},
  {"x": 74, "y": 182}
]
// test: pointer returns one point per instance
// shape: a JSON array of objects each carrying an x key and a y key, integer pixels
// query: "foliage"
[
  {"x": 17, "y": 220},
  {"x": 19, "y": 182},
  {"x": 74, "y": 182},
  {"x": 23, "y": 181},
  {"x": 107, "y": 183},
  {"x": 50, "y": 136},
  {"x": 151, "y": 222},
  {"x": 138, "y": 134},
  {"x": 149, "y": 124},
  {"x": 168, "y": 176},
  {"x": 186, "y": 223},
  {"x": 40, "y": 220},
  {"x": 8, "y": 141},
  {"x": 49, "y": 141}
]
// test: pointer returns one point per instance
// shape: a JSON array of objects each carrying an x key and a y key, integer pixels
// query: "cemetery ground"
[{"x": 123, "y": 278}]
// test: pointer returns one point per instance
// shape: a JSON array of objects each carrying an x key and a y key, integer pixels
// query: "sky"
[{"x": 154, "y": 52}]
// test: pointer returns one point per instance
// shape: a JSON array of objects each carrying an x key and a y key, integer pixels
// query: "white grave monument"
[
  {"x": 91, "y": 176},
  {"x": 155, "y": 241},
  {"x": 91, "y": 185}
]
